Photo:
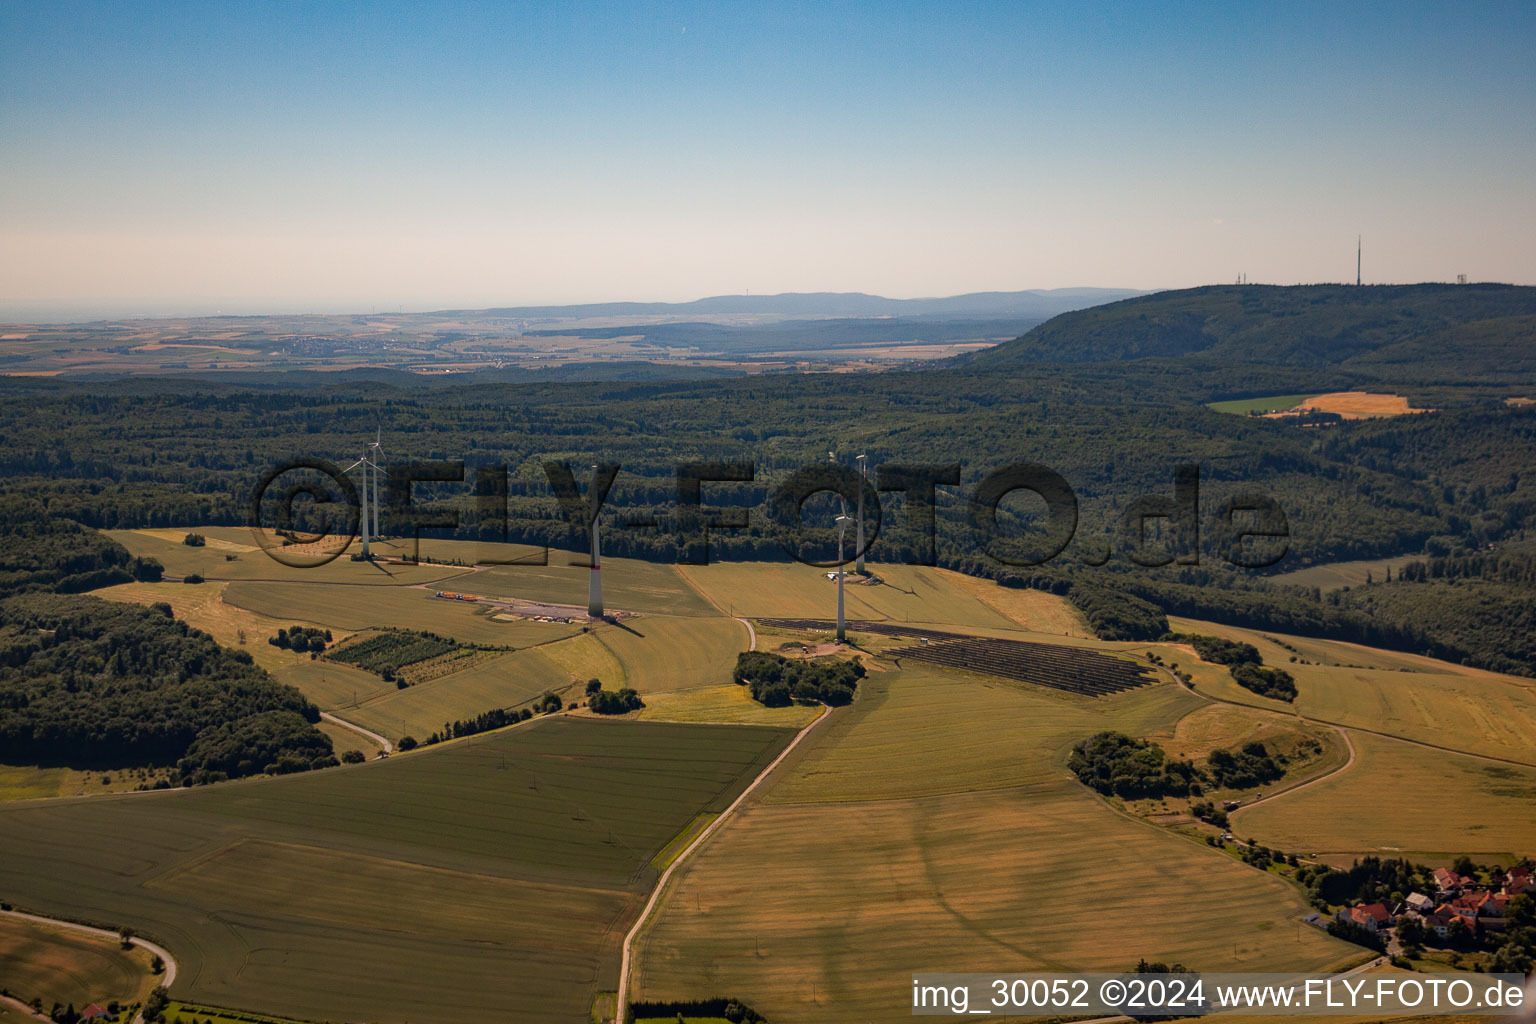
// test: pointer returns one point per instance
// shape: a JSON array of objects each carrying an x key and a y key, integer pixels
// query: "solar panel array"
[{"x": 1074, "y": 669}]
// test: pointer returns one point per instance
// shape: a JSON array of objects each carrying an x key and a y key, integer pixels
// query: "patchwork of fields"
[
  {"x": 933, "y": 826},
  {"x": 1417, "y": 698},
  {"x": 494, "y": 876}
]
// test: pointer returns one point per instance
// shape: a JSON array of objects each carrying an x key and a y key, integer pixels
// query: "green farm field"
[
  {"x": 934, "y": 823},
  {"x": 660, "y": 652},
  {"x": 1403, "y": 695},
  {"x": 1333, "y": 575},
  {"x": 501, "y": 682},
  {"x": 1273, "y": 403},
  {"x": 1402, "y": 798},
  {"x": 493, "y": 877}
]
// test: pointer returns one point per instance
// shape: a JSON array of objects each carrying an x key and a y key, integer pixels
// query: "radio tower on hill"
[{"x": 1357, "y": 261}]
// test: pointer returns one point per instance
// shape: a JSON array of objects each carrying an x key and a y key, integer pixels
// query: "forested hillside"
[
  {"x": 100, "y": 684},
  {"x": 39, "y": 551},
  {"x": 1452, "y": 332},
  {"x": 157, "y": 453}
]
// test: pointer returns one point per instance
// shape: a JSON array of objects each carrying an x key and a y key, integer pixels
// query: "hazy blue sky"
[{"x": 265, "y": 156}]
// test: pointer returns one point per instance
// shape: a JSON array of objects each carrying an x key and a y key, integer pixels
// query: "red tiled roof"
[{"x": 1378, "y": 911}]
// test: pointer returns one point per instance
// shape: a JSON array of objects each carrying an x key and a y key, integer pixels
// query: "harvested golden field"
[
  {"x": 925, "y": 731},
  {"x": 908, "y": 593},
  {"x": 1225, "y": 727},
  {"x": 1353, "y": 405},
  {"x": 354, "y": 608},
  {"x": 628, "y": 585},
  {"x": 932, "y": 825},
  {"x": 203, "y": 607},
  {"x": 1033, "y": 610},
  {"x": 1399, "y": 797},
  {"x": 59, "y": 965},
  {"x": 1333, "y": 575},
  {"x": 1405, "y": 695},
  {"x": 726, "y": 703},
  {"x": 231, "y": 554}
]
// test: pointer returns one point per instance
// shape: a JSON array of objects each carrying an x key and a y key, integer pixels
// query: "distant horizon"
[
  {"x": 90, "y": 312},
  {"x": 179, "y": 158}
]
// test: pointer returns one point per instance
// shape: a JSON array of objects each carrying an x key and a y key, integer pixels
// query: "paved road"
[
  {"x": 389, "y": 747},
  {"x": 621, "y": 1009},
  {"x": 166, "y": 978}
]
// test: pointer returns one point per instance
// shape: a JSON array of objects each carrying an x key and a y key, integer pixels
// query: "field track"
[
  {"x": 166, "y": 979},
  {"x": 666, "y": 876},
  {"x": 387, "y": 746}
]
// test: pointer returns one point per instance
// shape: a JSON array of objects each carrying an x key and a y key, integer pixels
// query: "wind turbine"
[
  {"x": 842, "y": 520},
  {"x": 863, "y": 479},
  {"x": 842, "y": 529},
  {"x": 368, "y": 464},
  {"x": 377, "y": 449},
  {"x": 595, "y": 578}
]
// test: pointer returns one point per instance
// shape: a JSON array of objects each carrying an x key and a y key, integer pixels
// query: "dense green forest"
[
  {"x": 89, "y": 683},
  {"x": 1386, "y": 331},
  {"x": 138, "y": 453}
]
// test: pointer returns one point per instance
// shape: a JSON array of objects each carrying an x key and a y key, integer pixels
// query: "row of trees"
[
  {"x": 1244, "y": 662},
  {"x": 301, "y": 639},
  {"x": 612, "y": 702}
]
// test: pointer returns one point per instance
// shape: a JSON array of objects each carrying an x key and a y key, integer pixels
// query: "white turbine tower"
[
  {"x": 842, "y": 529},
  {"x": 863, "y": 479},
  {"x": 595, "y": 577},
  {"x": 363, "y": 462},
  {"x": 377, "y": 450}
]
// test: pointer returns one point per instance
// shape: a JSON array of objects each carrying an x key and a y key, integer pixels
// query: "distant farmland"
[{"x": 493, "y": 878}]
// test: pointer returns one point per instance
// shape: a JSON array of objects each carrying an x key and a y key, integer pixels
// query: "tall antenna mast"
[{"x": 1357, "y": 261}]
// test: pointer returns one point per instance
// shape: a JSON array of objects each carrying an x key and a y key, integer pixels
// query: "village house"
[
  {"x": 1373, "y": 917},
  {"x": 1419, "y": 903}
]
